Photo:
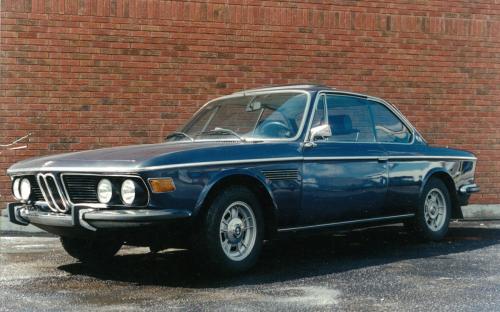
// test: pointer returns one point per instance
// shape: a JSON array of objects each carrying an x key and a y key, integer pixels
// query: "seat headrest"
[{"x": 341, "y": 124}]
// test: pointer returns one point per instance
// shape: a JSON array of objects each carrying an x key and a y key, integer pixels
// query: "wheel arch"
[
  {"x": 445, "y": 177},
  {"x": 242, "y": 178}
]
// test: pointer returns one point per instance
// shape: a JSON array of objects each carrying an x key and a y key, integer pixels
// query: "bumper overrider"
[{"x": 92, "y": 219}]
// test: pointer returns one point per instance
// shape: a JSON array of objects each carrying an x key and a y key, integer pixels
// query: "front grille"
[
  {"x": 81, "y": 188},
  {"x": 52, "y": 192},
  {"x": 36, "y": 193}
]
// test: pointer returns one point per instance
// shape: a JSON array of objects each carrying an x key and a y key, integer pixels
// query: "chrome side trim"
[
  {"x": 343, "y": 158},
  {"x": 224, "y": 162},
  {"x": 390, "y": 158},
  {"x": 433, "y": 157},
  {"x": 319, "y": 226},
  {"x": 80, "y": 170}
]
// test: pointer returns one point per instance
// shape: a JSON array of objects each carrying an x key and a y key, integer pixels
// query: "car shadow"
[{"x": 290, "y": 259}]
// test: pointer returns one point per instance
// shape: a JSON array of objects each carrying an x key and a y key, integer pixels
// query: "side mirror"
[{"x": 320, "y": 132}]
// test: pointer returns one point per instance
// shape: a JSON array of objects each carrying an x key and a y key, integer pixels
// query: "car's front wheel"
[
  {"x": 433, "y": 214},
  {"x": 91, "y": 250},
  {"x": 232, "y": 231}
]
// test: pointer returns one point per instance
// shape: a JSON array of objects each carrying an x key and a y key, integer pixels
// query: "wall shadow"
[{"x": 290, "y": 259}]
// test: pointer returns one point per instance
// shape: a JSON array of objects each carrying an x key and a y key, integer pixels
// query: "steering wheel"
[{"x": 274, "y": 129}]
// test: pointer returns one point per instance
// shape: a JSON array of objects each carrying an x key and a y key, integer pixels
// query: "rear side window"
[
  {"x": 388, "y": 127},
  {"x": 349, "y": 119}
]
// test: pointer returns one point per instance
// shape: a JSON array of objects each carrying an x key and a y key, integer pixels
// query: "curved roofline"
[{"x": 301, "y": 86}]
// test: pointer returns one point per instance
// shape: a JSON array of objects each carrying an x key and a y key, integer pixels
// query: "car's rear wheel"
[
  {"x": 232, "y": 232},
  {"x": 91, "y": 250},
  {"x": 433, "y": 214}
]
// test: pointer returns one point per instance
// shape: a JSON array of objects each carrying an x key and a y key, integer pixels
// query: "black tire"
[
  {"x": 91, "y": 250},
  {"x": 209, "y": 245},
  {"x": 422, "y": 225}
]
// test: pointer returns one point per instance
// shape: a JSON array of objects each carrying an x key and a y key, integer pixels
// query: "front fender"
[
  {"x": 226, "y": 174},
  {"x": 436, "y": 171}
]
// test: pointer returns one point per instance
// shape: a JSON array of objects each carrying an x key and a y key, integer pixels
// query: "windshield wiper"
[
  {"x": 177, "y": 134},
  {"x": 218, "y": 130}
]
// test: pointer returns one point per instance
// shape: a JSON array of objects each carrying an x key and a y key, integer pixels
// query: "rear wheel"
[
  {"x": 433, "y": 214},
  {"x": 232, "y": 232},
  {"x": 91, "y": 250}
]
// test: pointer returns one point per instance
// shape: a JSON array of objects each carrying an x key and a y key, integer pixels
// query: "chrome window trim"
[
  {"x": 91, "y": 171},
  {"x": 395, "y": 111},
  {"x": 101, "y": 205},
  {"x": 322, "y": 225},
  {"x": 260, "y": 92}
]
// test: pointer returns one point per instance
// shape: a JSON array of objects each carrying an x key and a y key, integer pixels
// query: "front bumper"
[
  {"x": 469, "y": 189},
  {"x": 92, "y": 219}
]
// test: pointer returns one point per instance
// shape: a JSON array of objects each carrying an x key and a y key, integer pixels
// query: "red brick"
[{"x": 84, "y": 74}]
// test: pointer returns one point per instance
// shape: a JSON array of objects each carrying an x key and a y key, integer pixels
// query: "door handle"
[{"x": 383, "y": 158}]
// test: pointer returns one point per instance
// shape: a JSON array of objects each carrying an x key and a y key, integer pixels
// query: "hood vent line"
[{"x": 281, "y": 174}]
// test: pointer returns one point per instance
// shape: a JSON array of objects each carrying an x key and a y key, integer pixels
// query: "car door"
[
  {"x": 345, "y": 174},
  {"x": 396, "y": 138}
]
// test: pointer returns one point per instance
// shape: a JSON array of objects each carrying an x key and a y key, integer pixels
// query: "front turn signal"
[{"x": 162, "y": 185}]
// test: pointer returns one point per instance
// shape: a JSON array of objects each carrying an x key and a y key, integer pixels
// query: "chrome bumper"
[
  {"x": 82, "y": 217},
  {"x": 469, "y": 189}
]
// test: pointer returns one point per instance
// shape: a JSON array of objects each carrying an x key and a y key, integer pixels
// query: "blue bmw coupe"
[{"x": 245, "y": 168}]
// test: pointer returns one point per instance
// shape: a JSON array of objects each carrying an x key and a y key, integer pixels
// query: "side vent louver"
[{"x": 281, "y": 174}]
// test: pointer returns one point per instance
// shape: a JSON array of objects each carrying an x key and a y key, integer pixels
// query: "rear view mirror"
[{"x": 253, "y": 106}]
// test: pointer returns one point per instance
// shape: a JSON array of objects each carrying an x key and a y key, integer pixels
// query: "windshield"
[{"x": 247, "y": 117}]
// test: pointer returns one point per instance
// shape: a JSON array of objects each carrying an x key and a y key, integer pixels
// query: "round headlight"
[
  {"x": 15, "y": 188},
  {"x": 25, "y": 189},
  {"x": 128, "y": 192},
  {"x": 104, "y": 191}
]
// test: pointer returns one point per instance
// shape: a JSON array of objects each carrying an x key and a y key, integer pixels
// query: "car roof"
[{"x": 301, "y": 87}]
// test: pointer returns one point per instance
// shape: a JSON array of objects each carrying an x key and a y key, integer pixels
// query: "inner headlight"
[
  {"x": 25, "y": 189},
  {"x": 15, "y": 188},
  {"x": 104, "y": 191},
  {"x": 128, "y": 192}
]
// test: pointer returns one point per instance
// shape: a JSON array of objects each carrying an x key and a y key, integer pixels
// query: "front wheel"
[
  {"x": 91, "y": 250},
  {"x": 433, "y": 214},
  {"x": 232, "y": 232}
]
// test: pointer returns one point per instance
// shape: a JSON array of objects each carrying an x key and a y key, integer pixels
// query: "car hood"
[{"x": 115, "y": 159}]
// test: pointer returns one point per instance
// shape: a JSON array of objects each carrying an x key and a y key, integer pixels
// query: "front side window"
[
  {"x": 349, "y": 119},
  {"x": 262, "y": 116},
  {"x": 388, "y": 127}
]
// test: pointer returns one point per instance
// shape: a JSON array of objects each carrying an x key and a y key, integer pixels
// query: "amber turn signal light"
[{"x": 162, "y": 185}]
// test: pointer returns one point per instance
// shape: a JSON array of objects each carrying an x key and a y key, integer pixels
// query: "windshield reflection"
[{"x": 247, "y": 117}]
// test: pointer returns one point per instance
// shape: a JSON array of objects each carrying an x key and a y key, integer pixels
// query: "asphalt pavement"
[{"x": 376, "y": 269}]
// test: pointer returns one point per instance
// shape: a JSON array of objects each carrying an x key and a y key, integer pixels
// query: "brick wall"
[{"x": 83, "y": 74}]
